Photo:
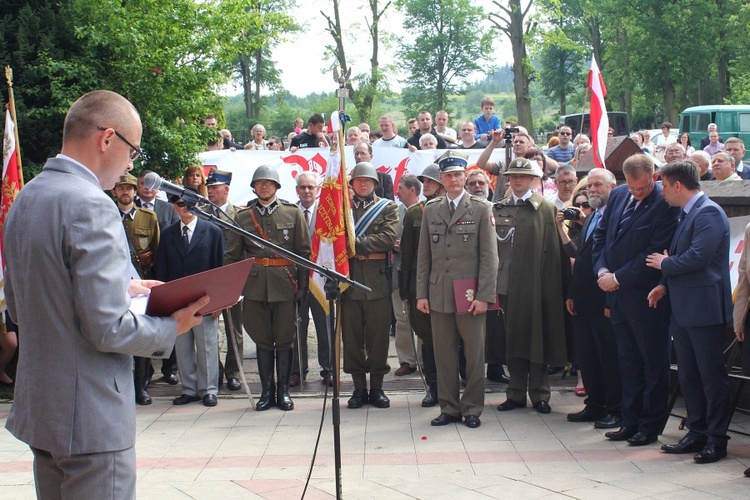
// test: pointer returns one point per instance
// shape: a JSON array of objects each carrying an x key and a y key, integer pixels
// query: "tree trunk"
[
  {"x": 521, "y": 66},
  {"x": 670, "y": 102}
]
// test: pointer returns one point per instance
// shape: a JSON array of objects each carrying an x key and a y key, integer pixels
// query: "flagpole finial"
[{"x": 9, "y": 76}]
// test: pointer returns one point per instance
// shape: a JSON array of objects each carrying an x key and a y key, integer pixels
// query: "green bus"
[{"x": 732, "y": 121}]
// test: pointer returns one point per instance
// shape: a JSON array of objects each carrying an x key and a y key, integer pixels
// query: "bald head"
[{"x": 100, "y": 108}]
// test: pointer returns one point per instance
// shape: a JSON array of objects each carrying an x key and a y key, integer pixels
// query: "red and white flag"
[
  {"x": 599, "y": 118},
  {"x": 333, "y": 237},
  {"x": 11, "y": 184}
]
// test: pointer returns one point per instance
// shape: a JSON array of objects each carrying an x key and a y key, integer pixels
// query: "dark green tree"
[{"x": 445, "y": 47}]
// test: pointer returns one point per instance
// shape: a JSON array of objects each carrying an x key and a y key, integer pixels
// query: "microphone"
[{"x": 152, "y": 181}]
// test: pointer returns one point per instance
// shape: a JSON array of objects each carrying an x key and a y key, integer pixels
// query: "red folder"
[
  {"x": 465, "y": 292},
  {"x": 223, "y": 285}
]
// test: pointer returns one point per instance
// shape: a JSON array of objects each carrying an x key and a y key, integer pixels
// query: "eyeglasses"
[
  {"x": 567, "y": 183},
  {"x": 477, "y": 183},
  {"x": 585, "y": 204},
  {"x": 136, "y": 150},
  {"x": 565, "y": 133},
  {"x": 306, "y": 188}
]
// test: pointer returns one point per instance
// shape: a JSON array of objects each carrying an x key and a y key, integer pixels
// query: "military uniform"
[
  {"x": 268, "y": 310},
  {"x": 453, "y": 247},
  {"x": 532, "y": 266},
  {"x": 268, "y": 307},
  {"x": 366, "y": 318},
  {"x": 142, "y": 229}
]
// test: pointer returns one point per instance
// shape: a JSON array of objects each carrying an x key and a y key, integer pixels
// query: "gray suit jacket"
[
  {"x": 165, "y": 212},
  {"x": 66, "y": 287}
]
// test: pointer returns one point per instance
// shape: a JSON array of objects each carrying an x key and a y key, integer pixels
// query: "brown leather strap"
[
  {"x": 372, "y": 256},
  {"x": 266, "y": 262}
]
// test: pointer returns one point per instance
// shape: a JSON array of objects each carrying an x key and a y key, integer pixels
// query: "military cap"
[
  {"x": 452, "y": 161},
  {"x": 522, "y": 166},
  {"x": 217, "y": 177},
  {"x": 128, "y": 179}
]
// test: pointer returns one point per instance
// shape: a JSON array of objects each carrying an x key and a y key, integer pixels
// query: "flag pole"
[{"x": 12, "y": 107}]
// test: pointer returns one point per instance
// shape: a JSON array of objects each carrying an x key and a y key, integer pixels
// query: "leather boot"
[
  {"x": 141, "y": 379},
  {"x": 429, "y": 370},
  {"x": 283, "y": 369},
  {"x": 268, "y": 389}
]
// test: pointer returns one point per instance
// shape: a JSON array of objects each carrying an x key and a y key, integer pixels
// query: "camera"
[
  {"x": 508, "y": 133},
  {"x": 571, "y": 214}
]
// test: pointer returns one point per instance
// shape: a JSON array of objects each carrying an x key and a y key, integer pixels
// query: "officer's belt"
[
  {"x": 372, "y": 256},
  {"x": 266, "y": 262}
]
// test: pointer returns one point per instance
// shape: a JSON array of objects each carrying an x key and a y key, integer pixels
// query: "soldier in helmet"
[
  {"x": 457, "y": 242},
  {"x": 366, "y": 318},
  {"x": 142, "y": 230},
  {"x": 533, "y": 265},
  {"x": 432, "y": 188},
  {"x": 275, "y": 284}
]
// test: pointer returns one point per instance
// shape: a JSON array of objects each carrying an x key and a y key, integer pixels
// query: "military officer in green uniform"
[
  {"x": 274, "y": 285},
  {"x": 142, "y": 230},
  {"x": 217, "y": 185},
  {"x": 457, "y": 242},
  {"x": 420, "y": 322},
  {"x": 533, "y": 265},
  {"x": 366, "y": 318}
]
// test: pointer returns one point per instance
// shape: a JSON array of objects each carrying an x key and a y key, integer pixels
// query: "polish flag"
[
  {"x": 599, "y": 118},
  {"x": 12, "y": 180}
]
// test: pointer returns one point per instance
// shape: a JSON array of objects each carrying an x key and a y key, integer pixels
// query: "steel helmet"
[
  {"x": 365, "y": 169},
  {"x": 431, "y": 171},
  {"x": 266, "y": 173}
]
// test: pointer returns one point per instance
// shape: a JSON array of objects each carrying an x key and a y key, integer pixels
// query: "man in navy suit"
[
  {"x": 595, "y": 342},
  {"x": 637, "y": 223},
  {"x": 695, "y": 274},
  {"x": 189, "y": 247}
]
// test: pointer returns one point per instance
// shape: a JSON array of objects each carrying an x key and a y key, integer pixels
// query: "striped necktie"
[{"x": 627, "y": 214}]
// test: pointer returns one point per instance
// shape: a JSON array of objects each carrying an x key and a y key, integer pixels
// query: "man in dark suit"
[
  {"x": 165, "y": 214},
  {"x": 695, "y": 274},
  {"x": 637, "y": 222},
  {"x": 147, "y": 199},
  {"x": 384, "y": 189},
  {"x": 191, "y": 247},
  {"x": 735, "y": 146},
  {"x": 595, "y": 342},
  {"x": 68, "y": 286}
]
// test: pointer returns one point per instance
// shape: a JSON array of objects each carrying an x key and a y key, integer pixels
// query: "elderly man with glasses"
[{"x": 565, "y": 182}]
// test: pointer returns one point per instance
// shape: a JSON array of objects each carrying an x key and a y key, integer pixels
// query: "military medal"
[
  {"x": 466, "y": 237},
  {"x": 435, "y": 238},
  {"x": 286, "y": 234}
]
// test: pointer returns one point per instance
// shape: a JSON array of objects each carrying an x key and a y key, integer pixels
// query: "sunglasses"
[
  {"x": 585, "y": 204},
  {"x": 565, "y": 133},
  {"x": 180, "y": 204}
]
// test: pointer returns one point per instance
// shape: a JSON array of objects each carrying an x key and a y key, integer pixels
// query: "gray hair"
[
  {"x": 314, "y": 175},
  {"x": 424, "y": 137}
]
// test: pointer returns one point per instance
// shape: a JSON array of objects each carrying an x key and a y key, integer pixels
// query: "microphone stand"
[{"x": 333, "y": 292}]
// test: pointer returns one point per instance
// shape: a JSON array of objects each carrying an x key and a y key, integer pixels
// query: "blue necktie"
[
  {"x": 627, "y": 214},
  {"x": 597, "y": 215}
]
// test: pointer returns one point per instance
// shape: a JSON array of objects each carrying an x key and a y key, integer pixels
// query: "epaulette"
[
  {"x": 477, "y": 198},
  {"x": 434, "y": 200},
  {"x": 287, "y": 203},
  {"x": 147, "y": 210}
]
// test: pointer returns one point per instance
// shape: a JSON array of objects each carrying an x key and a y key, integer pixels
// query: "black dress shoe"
[
  {"x": 611, "y": 421},
  {"x": 184, "y": 399},
  {"x": 710, "y": 453},
  {"x": 747, "y": 472},
  {"x": 142, "y": 397},
  {"x": 209, "y": 400},
  {"x": 358, "y": 399},
  {"x": 622, "y": 434},
  {"x": 686, "y": 445},
  {"x": 509, "y": 404},
  {"x": 430, "y": 399},
  {"x": 542, "y": 407},
  {"x": 444, "y": 419},
  {"x": 171, "y": 379},
  {"x": 472, "y": 421},
  {"x": 378, "y": 399},
  {"x": 587, "y": 415},
  {"x": 233, "y": 384},
  {"x": 640, "y": 438}
]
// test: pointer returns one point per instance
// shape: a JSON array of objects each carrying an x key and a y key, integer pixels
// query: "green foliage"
[{"x": 445, "y": 47}]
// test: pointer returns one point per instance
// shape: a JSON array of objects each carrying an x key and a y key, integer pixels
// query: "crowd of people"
[{"x": 519, "y": 264}]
